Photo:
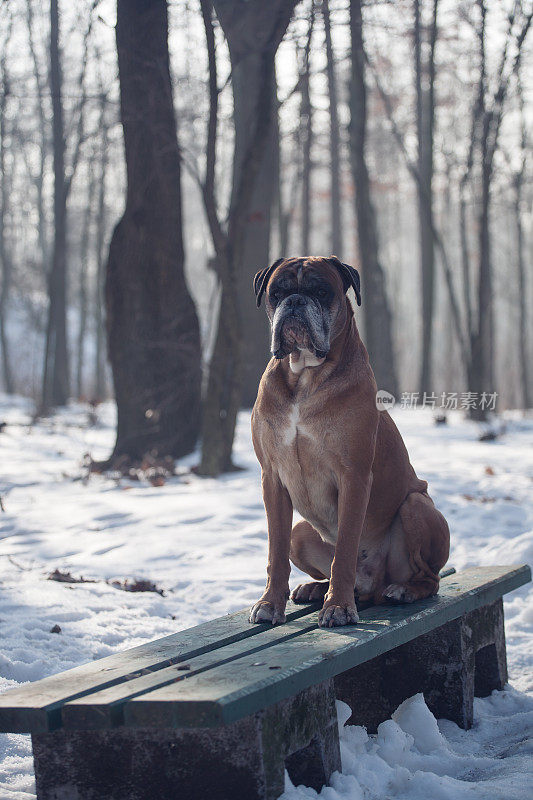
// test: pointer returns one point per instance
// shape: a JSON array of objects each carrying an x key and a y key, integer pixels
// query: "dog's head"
[{"x": 305, "y": 303}]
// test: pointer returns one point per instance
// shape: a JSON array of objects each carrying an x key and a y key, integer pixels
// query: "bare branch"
[{"x": 454, "y": 305}]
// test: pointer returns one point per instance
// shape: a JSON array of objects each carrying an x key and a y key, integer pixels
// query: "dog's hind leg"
[
  {"x": 419, "y": 548},
  {"x": 312, "y": 555}
]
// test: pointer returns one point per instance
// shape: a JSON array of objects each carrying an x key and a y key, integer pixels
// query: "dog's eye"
[
  {"x": 275, "y": 296},
  {"x": 321, "y": 293}
]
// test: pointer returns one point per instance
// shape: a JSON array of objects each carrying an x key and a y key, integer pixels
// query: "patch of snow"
[{"x": 203, "y": 542}]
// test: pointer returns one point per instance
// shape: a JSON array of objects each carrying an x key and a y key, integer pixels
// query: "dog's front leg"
[
  {"x": 271, "y": 606},
  {"x": 339, "y": 603}
]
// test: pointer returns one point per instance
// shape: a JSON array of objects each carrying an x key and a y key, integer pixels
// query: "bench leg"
[
  {"x": 301, "y": 734},
  {"x": 246, "y": 759},
  {"x": 449, "y": 665}
]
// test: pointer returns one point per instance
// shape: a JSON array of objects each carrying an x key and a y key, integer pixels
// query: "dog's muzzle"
[{"x": 300, "y": 323}]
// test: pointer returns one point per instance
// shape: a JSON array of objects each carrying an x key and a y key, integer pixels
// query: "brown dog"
[{"x": 370, "y": 528}]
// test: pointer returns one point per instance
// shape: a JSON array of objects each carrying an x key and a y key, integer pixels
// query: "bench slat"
[
  {"x": 211, "y": 692},
  {"x": 104, "y": 708},
  {"x": 36, "y": 707}
]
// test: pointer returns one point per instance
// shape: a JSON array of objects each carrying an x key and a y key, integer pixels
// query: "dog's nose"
[{"x": 295, "y": 300}]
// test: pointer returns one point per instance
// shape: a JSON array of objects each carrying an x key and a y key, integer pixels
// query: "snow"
[{"x": 203, "y": 542}]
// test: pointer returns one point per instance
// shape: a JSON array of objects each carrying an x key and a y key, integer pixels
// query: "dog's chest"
[{"x": 303, "y": 468}]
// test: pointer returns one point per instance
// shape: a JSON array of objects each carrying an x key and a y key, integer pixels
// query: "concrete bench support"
[
  {"x": 245, "y": 759},
  {"x": 462, "y": 658}
]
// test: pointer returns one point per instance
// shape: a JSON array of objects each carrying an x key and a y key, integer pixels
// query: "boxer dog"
[{"x": 370, "y": 530}]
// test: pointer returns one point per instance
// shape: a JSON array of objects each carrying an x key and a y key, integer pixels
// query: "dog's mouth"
[{"x": 294, "y": 337}]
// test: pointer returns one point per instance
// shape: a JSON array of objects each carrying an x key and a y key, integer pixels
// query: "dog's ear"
[
  {"x": 261, "y": 279},
  {"x": 349, "y": 275}
]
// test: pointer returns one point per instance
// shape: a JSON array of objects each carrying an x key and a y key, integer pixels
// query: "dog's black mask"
[{"x": 300, "y": 309}]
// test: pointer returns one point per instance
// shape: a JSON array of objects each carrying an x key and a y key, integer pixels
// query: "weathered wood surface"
[
  {"x": 36, "y": 707},
  {"x": 232, "y": 691},
  {"x": 219, "y": 674}
]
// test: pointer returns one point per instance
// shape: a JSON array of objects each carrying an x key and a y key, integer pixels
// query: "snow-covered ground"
[{"x": 203, "y": 542}]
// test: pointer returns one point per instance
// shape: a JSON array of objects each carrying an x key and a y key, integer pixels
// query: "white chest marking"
[{"x": 289, "y": 434}]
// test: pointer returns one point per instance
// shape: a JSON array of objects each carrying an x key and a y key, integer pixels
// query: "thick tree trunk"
[
  {"x": 425, "y": 105},
  {"x": 334, "y": 138},
  {"x": 256, "y": 245},
  {"x": 249, "y": 25},
  {"x": 153, "y": 333},
  {"x": 378, "y": 324},
  {"x": 56, "y": 366},
  {"x": 238, "y": 20}
]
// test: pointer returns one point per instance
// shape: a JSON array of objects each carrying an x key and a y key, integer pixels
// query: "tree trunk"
[
  {"x": 425, "y": 105},
  {"x": 56, "y": 366},
  {"x": 334, "y": 138},
  {"x": 99, "y": 359},
  {"x": 83, "y": 293},
  {"x": 518, "y": 184},
  {"x": 306, "y": 126},
  {"x": 378, "y": 324},
  {"x": 43, "y": 143},
  {"x": 256, "y": 245},
  {"x": 246, "y": 64},
  {"x": 153, "y": 332},
  {"x": 249, "y": 25},
  {"x": 525, "y": 386},
  {"x": 5, "y": 258}
]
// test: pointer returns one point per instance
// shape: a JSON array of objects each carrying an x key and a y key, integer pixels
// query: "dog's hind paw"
[
  {"x": 398, "y": 593},
  {"x": 310, "y": 592},
  {"x": 263, "y": 611}
]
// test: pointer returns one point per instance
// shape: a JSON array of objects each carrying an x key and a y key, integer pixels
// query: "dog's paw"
[
  {"x": 310, "y": 592},
  {"x": 334, "y": 615},
  {"x": 398, "y": 593},
  {"x": 265, "y": 611}
]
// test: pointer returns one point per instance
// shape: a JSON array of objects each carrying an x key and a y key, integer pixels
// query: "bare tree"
[
  {"x": 99, "y": 301},
  {"x": 42, "y": 139},
  {"x": 334, "y": 137},
  {"x": 262, "y": 26},
  {"x": 378, "y": 325},
  {"x": 5, "y": 180},
  {"x": 306, "y": 134},
  {"x": 83, "y": 293},
  {"x": 152, "y": 326},
  {"x": 56, "y": 366},
  {"x": 489, "y": 118},
  {"x": 475, "y": 335},
  {"x": 56, "y": 372},
  {"x": 246, "y": 25},
  {"x": 518, "y": 185},
  {"x": 425, "y": 122}
]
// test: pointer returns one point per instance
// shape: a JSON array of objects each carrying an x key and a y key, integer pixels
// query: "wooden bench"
[{"x": 220, "y": 710}]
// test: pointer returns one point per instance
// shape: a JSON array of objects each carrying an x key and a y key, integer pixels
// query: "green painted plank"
[
  {"x": 104, "y": 708},
  {"x": 36, "y": 707},
  {"x": 231, "y": 691}
]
